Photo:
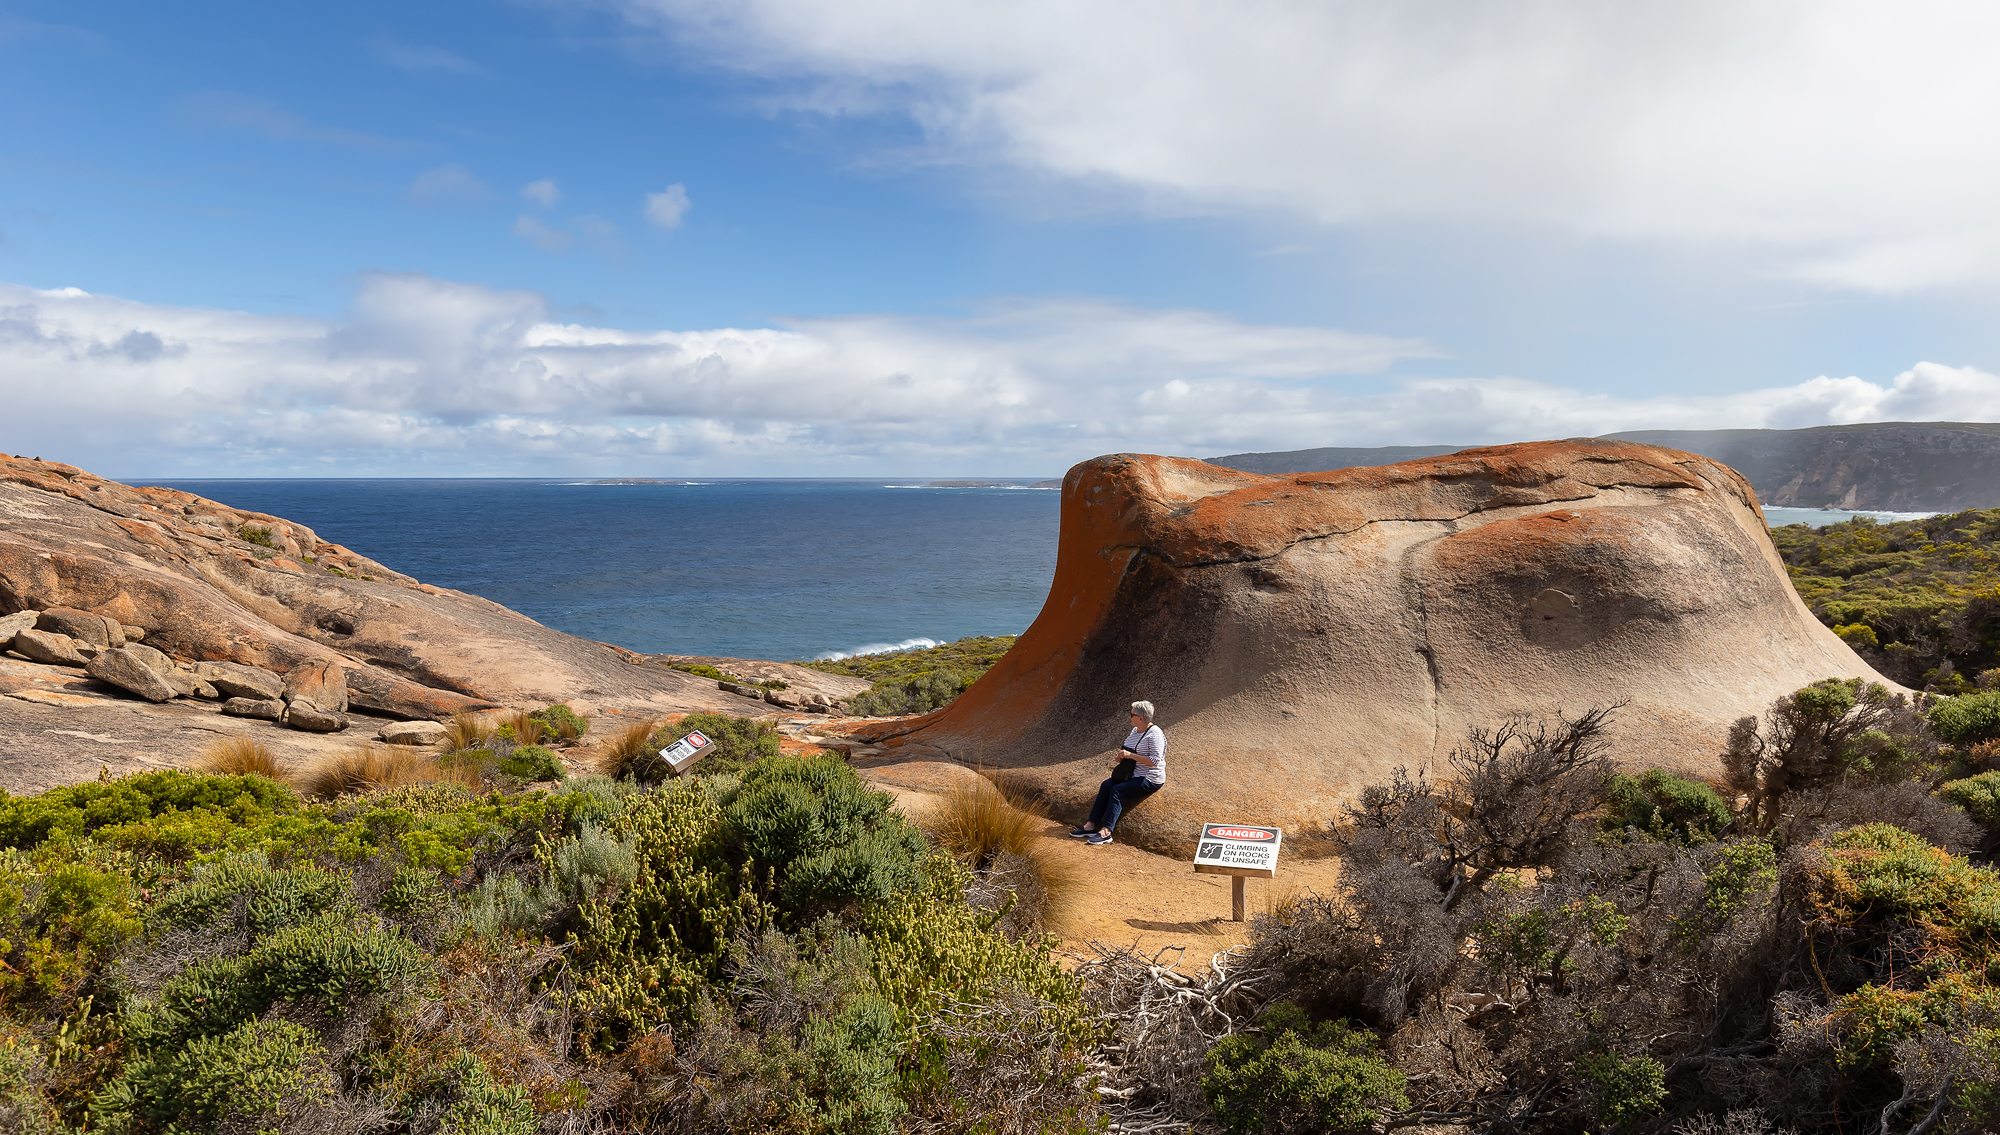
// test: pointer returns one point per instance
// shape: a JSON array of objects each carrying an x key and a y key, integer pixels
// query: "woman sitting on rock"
[{"x": 1145, "y": 750}]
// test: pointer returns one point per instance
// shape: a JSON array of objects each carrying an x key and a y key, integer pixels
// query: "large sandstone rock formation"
[
  {"x": 1303, "y": 635},
  {"x": 206, "y": 583}
]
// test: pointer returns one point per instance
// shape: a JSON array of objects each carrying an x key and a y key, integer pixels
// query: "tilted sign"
[
  {"x": 686, "y": 751},
  {"x": 1238, "y": 849}
]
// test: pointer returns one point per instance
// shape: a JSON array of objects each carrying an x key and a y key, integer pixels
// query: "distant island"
[
  {"x": 631, "y": 481},
  {"x": 1886, "y": 466}
]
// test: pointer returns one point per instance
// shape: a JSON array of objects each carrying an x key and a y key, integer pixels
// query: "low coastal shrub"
[
  {"x": 533, "y": 762},
  {"x": 738, "y": 741},
  {"x": 1295, "y": 1076},
  {"x": 1968, "y": 719},
  {"x": 256, "y": 535},
  {"x": 1664, "y": 806},
  {"x": 198, "y": 952},
  {"x": 1978, "y": 795},
  {"x": 920, "y": 693},
  {"x": 560, "y": 721}
]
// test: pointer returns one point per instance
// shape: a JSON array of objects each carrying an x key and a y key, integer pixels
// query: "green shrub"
[
  {"x": 739, "y": 742},
  {"x": 704, "y": 670},
  {"x": 252, "y": 1074},
  {"x": 1978, "y": 795},
  {"x": 534, "y": 763},
  {"x": 1295, "y": 1077},
  {"x": 258, "y": 899},
  {"x": 822, "y": 837},
  {"x": 258, "y": 536},
  {"x": 1967, "y": 719},
  {"x": 561, "y": 721},
  {"x": 466, "y": 1100},
  {"x": 1858, "y": 636},
  {"x": 89, "y": 809},
  {"x": 918, "y": 693},
  {"x": 592, "y": 865},
  {"x": 971, "y": 656},
  {"x": 1627, "y": 1087},
  {"x": 329, "y": 963},
  {"x": 503, "y": 905},
  {"x": 1666, "y": 807}
]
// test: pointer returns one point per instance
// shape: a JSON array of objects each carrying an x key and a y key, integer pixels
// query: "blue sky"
[{"x": 780, "y": 238}]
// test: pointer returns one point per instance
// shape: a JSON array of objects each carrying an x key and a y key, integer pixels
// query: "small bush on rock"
[{"x": 1979, "y": 796}]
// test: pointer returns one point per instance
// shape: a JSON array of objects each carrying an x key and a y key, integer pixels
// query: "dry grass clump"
[
  {"x": 528, "y": 730},
  {"x": 627, "y": 751},
  {"x": 999, "y": 835},
  {"x": 467, "y": 730},
  {"x": 370, "y": 767},
  {"x": 244, "y": 756}
]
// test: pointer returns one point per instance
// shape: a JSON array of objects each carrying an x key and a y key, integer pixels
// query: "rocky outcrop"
[
  {"x": 207, "y": 584},
  {"x": 1304, "y": 635}
]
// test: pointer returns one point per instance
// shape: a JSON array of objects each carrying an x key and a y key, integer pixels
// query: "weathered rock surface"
[
  {"x": 1304, "y": 635},
  {"x": 417, "y": 733},
  {"x": 11, "y": 625},
  {"x": 124, "y": 668},
  {"x": 159, "y": 663},
  {"x": 311, "y": 718},
  {"x": 268, "y": 709},
  {"x": 236, "y": 680},
  {"x": 320, "y": 685},
  {"x": 176, "y": 566},
  {"x": 97, "y": 630},
  {"x": 53, "y": 649}
]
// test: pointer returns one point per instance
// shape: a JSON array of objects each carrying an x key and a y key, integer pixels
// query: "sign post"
[
  {"x": 1245, "y": 851},
  {"x": 686, "y": 751}
]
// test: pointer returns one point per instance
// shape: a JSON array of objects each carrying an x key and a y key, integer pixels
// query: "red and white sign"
[
  {"x": 686, "y": 751},
  {"x": 1238, "y": 849}
]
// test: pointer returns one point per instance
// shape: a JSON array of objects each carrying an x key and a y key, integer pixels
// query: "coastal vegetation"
[
  {"x": 508, "y": 933},
  {"x": 448, "y": 941},
  {"x": 917, "y": 681},
  {"x": 1919, "y": 599}
]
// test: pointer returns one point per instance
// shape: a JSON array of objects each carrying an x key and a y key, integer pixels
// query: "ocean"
[{"x": 779, "y": 569}]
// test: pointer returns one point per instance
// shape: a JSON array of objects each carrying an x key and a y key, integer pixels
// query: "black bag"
[{"x": 1126, "y": 768}]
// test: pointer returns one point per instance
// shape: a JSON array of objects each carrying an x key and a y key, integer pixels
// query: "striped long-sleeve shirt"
[{"x": 1151, "y": 743}]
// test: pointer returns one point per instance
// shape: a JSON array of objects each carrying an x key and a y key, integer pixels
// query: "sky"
[{"x": 957, "y": 238}]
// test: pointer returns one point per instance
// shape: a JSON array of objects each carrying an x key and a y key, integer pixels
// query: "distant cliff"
[{"x": 1890, "y": 466}]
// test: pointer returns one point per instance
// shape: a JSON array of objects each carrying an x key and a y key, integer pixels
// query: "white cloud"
[
  {"x": 448, "y": 186},
  {"x": 1847, "y": 139},
  {"x": 542, "y": 236},
  {"x": 428, "y": 375},
  {"x": 543, "y": 193},
  {"x": 667, "y": 207}
]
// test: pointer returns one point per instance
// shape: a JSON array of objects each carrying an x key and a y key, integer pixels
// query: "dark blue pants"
[{"x": 1113, "y": 797}]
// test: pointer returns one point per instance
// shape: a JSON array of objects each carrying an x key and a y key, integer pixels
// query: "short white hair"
[{"x": 1143, "y": 709}]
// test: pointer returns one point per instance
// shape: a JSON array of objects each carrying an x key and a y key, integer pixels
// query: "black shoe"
[
  {"x": 1099, "y": 839},
  {"x": 1080, "y": 833}
]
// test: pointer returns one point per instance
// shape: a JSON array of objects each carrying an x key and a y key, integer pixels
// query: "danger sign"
[
  {"x": 1238, "y": 849},
  {"x": 686, "y": 751}
]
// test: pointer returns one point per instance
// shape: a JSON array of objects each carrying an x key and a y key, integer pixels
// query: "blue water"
[{"x": 741, "y": 568}]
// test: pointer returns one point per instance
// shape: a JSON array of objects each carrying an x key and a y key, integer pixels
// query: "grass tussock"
[
  {"x": 527, "y": 728},
  {"x": 468, "y": 730},
  {"x": 368, "y": 768},
  {"x": 244, "y": 756},
  {"x": 1000, "y": 835},
  {"x": 628, "y": 751}
]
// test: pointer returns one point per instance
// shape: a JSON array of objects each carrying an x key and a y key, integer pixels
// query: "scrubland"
[{"x": 483, "y": 938}]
